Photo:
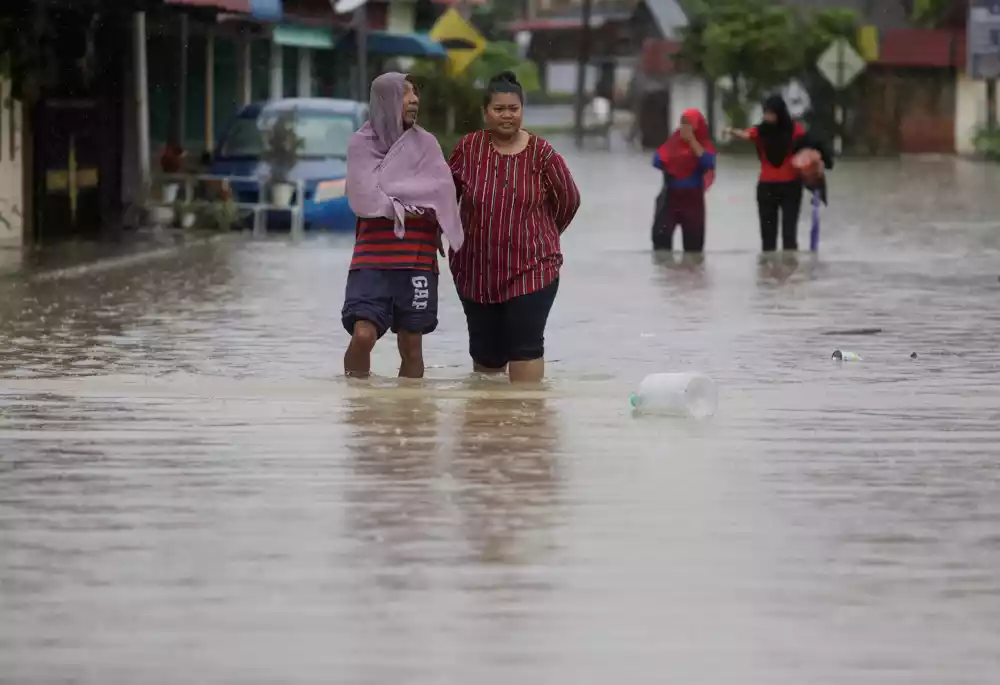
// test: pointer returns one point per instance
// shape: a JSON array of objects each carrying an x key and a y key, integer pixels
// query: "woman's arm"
[
  {"x": 562, "y": 191},
  {"x": 743, "y": 134}
]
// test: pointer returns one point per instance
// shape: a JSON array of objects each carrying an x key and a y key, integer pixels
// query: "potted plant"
[{"x": 281, "y": 153}]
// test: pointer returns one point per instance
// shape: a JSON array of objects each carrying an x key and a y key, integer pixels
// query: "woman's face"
[
  {"x": 504, "y": 113},
  {"x": 770, "y": 117}
]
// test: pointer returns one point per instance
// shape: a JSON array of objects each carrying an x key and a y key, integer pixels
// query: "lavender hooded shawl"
[{"x": 392, "y": 170}]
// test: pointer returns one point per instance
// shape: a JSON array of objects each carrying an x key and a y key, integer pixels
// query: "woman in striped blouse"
[{"x": 516, "y": 197}]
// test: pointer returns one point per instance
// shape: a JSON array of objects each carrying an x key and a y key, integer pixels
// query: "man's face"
[{"x": 411, "y": 104}]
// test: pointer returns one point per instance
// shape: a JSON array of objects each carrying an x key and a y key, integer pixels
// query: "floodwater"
[{"x": 190, "y": 493}]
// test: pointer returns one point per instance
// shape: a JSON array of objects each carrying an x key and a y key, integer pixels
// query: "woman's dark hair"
[{"x": 504, "y": 82}]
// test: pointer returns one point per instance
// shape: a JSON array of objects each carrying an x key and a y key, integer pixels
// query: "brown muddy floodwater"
[{"x": 189, "y": 493}]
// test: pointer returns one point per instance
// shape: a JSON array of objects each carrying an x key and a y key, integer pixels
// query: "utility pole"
[
  {"x": 359, "y": 20},
  {"x": 581, "y": 71},
  {"x": 991, "y": 104},
  {"x": 361, "y": 34}
]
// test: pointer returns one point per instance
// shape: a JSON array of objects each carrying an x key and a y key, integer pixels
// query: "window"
[{"x": 323, "y": 135}]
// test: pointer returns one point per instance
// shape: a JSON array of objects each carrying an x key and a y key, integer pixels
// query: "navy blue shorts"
[{"x": 392, "y": 299}]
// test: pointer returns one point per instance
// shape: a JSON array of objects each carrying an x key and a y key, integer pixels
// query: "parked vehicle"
[{"x": 325, "y": 127}]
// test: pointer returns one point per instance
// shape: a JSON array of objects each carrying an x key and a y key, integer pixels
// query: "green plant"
[
  {"x": 26, "y": 56},
  {"x": 502, "y": 56},
  {"x": 219, "y": 215},
  {"x": 282, "y": 144},
  {"x": 929, "y": 13},
  {"x": 987, "y": 142},
  {"x": 453, "y": 104},
  {"x": 752, "y": 46}
]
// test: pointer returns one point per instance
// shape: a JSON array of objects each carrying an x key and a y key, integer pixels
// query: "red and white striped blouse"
[{"x": 514, "y": 208}]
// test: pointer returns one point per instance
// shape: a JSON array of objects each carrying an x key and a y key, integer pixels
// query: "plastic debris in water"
[
  {"x": 845, "y": 356},
  {"x": 679, "y": 394}
]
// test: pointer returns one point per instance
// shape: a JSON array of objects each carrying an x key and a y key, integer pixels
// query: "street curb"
[{"x": 111, "y": 263}]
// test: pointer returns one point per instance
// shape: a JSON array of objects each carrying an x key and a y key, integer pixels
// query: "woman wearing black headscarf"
[{"x": 778, "y": 138}]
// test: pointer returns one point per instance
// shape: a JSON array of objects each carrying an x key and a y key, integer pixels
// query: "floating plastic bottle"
[
  {"x": 678, "y": 394},
  {"x": 845, "y": 356}
]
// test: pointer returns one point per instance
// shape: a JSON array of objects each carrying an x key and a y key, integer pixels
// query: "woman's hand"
[
  {"x": 688, "y": 136},
  {"x": 736, "y": 133}
]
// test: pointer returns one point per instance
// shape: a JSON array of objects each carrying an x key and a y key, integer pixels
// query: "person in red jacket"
[
  {"x": 778, "y": 138},
  {"x": 687, "y": 160}
]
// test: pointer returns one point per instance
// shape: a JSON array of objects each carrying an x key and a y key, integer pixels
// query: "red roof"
[
  {"x": 933, "y": 48},
  {"x": 241, "y": 6},
  {"x": 597, "y": 20}
]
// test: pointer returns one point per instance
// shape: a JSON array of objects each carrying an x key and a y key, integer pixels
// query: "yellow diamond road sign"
[{"x": 460, "y": 38}]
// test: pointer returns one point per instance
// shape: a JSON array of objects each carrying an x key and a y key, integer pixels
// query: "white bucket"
[
  {"x": 170, "y": 191},
  {"x": 281, "y": 195}
]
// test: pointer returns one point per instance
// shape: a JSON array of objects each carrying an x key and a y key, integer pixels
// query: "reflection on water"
[
  {"x": 484, "y": 468},
  {"x": 507, "y": 472},
  {"x": 396, "y": 449},
  {"x": 189, "y": 490}
]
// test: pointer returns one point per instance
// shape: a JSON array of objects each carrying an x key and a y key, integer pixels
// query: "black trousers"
[
  {"x": 786, "y": 199},
  {"x": 511, "y": 331},
  {"x": 662, "y": 238}
]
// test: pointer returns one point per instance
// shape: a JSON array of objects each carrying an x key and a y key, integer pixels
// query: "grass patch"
[{"x": 988, "y": 143}]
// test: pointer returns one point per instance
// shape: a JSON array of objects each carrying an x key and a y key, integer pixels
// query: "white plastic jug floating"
[{"x": 679, "y": 394}]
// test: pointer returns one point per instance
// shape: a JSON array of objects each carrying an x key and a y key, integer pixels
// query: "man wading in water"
[{"x": 401, "y": 188}]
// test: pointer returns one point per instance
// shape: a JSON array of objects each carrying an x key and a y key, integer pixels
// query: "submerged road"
[{"x": 190, "y": 493}]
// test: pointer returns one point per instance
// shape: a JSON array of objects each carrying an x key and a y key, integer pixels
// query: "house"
[
  {"x": 75, "y": 155},
  {"x": 915, "y": 96},
  {"x": 617, "y": 29},
  {"x": 63, "y": 157}
]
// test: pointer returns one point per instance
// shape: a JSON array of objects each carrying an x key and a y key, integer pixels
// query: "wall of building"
[
  {"x": 559, "y": 77},
  {"x": 970, "y": 114},
  {"x": 688, "y": 91},
  {"x": 11, "y": 170},
  {"x": 401, "y": 17}
]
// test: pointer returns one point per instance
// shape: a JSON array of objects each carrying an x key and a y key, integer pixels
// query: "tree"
[
  {"x": 752, "y": 46},
  {"x": 749, "y": 46},
  {"x": 934, "y": 13},
  {"x": 492, "y": 17}
]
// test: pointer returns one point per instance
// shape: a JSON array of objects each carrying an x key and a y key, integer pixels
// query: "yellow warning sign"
[{"x": 462, "y": 41}]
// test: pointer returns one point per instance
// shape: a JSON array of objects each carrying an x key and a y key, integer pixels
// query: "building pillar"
[
  {"x": 244, "y": 77},
  {"x": 209, "y": 91},
  {"x": 305, "y": 73},
  {"x": 178, "y": 109},
  {"x": 12, "y": 185},
  {"x": 277, "y": 72},
  {"x": 141, "y": 78}
]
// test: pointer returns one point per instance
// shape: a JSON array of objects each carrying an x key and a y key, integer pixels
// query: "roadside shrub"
[{"x": 988, "y": 143}]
